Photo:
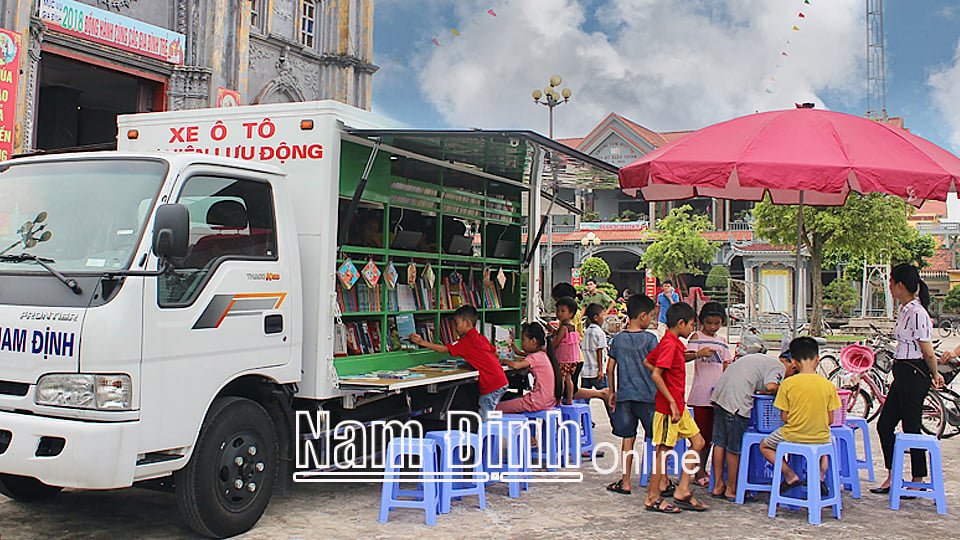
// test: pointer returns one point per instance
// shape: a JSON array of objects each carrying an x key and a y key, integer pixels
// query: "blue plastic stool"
[
  {"x": 649, "y": 454},
  {"x": 550, "y": 445},
  {"x": 426, "y": 496},
  {"x": 814, "y": 501},
  {"x": 753, "y": 474},
  {"x": 451, "y": 445},
  {"x": 509, "y": 435},
  {"x": 579, "y": 414},
  {"x": 846, "y": 446},
  {"x": 860, "y": 424},
  {"x": 930, "y": 490}
]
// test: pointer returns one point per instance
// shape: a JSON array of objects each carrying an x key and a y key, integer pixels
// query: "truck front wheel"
[
  {"x": 227, "y": 483},
  {"x": 23, "y": 489}
]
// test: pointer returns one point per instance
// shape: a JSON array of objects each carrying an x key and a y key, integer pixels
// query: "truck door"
[{"x": 222, "y": 311}]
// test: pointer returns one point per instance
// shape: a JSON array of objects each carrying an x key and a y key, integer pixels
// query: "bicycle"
[{"x": 947, "y": 327}]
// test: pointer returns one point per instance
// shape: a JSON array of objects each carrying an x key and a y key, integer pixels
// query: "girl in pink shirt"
[
  {"x": 546, "y": 373},
  {"x": 567, "y": 345}
]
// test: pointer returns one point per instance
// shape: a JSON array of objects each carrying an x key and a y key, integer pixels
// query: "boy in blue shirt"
[{"x": 632, "y": 391}]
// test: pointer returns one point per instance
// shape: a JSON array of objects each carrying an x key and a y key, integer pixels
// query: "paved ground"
[{"x": 578, "y": 511}]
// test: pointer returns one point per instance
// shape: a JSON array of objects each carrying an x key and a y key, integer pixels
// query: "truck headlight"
[{"x": 80, "y": 391}]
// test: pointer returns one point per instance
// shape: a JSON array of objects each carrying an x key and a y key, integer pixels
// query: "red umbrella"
[{"x": 798, "y": 156}]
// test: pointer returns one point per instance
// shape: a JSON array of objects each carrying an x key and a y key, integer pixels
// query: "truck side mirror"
[{"x": 171, "y": 231}]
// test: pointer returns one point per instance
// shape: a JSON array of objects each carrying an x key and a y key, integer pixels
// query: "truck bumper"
[{"x": 94, "y": 455}]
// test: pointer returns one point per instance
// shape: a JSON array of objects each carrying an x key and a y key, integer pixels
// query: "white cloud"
[
  {"x": 668, "y": 64},
  {"x": 945, "y": 91}
]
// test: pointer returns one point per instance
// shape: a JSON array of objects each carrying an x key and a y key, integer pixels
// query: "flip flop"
[
  {"x": 668, "y": 509},
  {"x": 687, "y": 503},
  {"x": 787, "y": 486},
  {"x": 719, "y": 496},
  {"x": 617, "y": 487},
  {"x": 668, "y": 491},
  {"x": 702, "y": 482}
]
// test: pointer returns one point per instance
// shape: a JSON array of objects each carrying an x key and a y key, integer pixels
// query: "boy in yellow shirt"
[{"x": 806, "y": 401}]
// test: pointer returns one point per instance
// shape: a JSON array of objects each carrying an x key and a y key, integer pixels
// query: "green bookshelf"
[{"x": 410, "y": 213}]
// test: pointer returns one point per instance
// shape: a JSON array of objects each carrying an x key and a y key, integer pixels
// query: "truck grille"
[{"x": 8, "y": 388}]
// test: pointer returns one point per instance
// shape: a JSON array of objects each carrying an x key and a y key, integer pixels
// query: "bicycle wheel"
[
  {"x": 827, "y": 365},
  {"x": 860, "y": 404},
  {"x": 945, "y": 328},
  {"x": 934, "y": 418}
]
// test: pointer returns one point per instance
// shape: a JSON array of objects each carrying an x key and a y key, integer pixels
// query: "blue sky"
[{"x": 667, "y": 64}]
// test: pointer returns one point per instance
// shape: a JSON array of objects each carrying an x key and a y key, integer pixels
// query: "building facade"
[{"x": 83, "y": 62}]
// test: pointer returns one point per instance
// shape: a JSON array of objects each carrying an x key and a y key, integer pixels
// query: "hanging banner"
[
  {"x": 9, "y": 78},
  {"x": 81, "y": 20},
  {"x": 650, "y": 284},
  {"x": 575, "y": 277}
]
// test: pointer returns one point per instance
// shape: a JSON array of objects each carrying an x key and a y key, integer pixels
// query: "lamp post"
[
  {"x": 550, "y": 98},
  {"x": 589, "y": 241}
]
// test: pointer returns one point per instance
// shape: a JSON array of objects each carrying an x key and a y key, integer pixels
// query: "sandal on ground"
[
  {"x": 703, "y": 481},
  {"x": 690, "y": 503},
  {"x": 720, "y": 495},
  {"x": 668, "y": 492},
  {"x": 617, "y": 487},
  {"x": 880, "y": 490},
  {"x": 657, "y": 506}
]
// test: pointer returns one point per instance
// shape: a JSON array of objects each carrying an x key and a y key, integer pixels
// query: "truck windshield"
[{"x": 79, "y": 216}]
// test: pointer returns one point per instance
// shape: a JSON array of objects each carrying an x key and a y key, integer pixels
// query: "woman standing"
[{"x": 915, "y": 366}]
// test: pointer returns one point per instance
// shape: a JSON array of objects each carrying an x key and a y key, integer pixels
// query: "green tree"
[
  {"x": 628, "y": 215},
  {"x": 872, "y": 223},
  {"x": 679, "y": 246},
  {"x": 840, "y": 295},
  {"x": 915, "y": 248},
  {"x": 590, "y": 215},
  {"x": 594, "y": 267},
  {"x": 718, "y": 277},
  {"x": 951, "y": 302}
]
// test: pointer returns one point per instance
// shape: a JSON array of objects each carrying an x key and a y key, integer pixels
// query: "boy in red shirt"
[
  {"x": 478, "y": 352},
  {"x": 672, "y": 420}
]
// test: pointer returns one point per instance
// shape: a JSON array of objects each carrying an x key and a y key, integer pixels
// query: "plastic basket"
[
  {"x": 840, "y": 415},
  {"x": 856, "y": 358},
  {"x": 765, "y": 416}
]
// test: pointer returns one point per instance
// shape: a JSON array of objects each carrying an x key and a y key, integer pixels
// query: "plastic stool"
[
  {"x": 649, "y": 454},
  {"x": 579, "y": 414},
  {"x": 856, "y": 423},
  {"x": 752, "y": 475},
  {"x": 510, "y": 435},
  {"x": 451, "y": 444},
  {"x": 426, "y": 496},
  {"x": 550, "y": 446},
  {"x": 843, "y": 439},
  {"x": 814, "y": 501},
  {"x": 932, "y": 489}
]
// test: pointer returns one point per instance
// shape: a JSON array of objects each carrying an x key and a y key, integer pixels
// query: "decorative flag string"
[
  {"x": 801, "y": 17},
  {"x": 436, "y": 40}
]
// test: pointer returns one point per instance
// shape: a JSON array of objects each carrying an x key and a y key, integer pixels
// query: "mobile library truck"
[{"x": 167, "y": 309}]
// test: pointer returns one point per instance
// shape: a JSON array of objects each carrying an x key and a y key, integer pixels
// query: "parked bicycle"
[
  {"x": 870, "y": 388},
  {"x": 948, "y": 327}
]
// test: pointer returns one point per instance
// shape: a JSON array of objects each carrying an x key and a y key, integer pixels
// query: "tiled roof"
[
  {"x": 940, "y": 262},
  {"x": 764, "y": 247},
  {"x": 642, "y": 236},
  {"x": 572, "y": 143}
]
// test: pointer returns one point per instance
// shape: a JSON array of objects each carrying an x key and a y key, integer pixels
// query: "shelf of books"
[{"x": 417, "y": 251}]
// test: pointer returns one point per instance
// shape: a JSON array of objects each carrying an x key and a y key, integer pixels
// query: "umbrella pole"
[{"x": 796, "y": 270}]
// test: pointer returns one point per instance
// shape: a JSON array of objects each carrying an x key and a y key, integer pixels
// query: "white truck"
[{"x": 166, "y": 308}]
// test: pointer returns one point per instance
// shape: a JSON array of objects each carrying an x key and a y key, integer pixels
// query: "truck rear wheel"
[
  {"x": 227, "y": 483},
  {"x": 23, "y": 489}
]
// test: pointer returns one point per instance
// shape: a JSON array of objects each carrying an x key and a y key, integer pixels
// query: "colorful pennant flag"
[
  {"x": 455, "y": 32},
  {"x": 435, "y": 42},
  {"x": 801, "y": 15},
  {"x": 784, "y": 53},
  {"x": 806, "y": 2},
  {"x": 796, "y": 28},
  {"x": 491, "y": 12}
]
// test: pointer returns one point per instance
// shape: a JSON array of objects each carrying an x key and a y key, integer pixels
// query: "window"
[
  {"x": 308, "y": 22},
  {"x": 258, "y": 15},
  {"x": 229, "y": 219}
]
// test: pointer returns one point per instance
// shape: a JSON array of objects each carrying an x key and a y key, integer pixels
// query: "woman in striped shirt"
[{"x": 914, "y": 368}]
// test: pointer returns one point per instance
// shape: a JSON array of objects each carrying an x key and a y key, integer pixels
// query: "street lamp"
[
  {"x": 590, "y": 241},
  {"x": 551, "y": 98}
]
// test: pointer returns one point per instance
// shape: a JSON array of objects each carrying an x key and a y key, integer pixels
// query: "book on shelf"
[
  {"x": 394, "y": 341},
  {"x": 353, "y": 340},
  {"x": 426, "y": 330},
  {"x": 359, "y": 298},
  {"x": 405, "y": 298},
  {"x": 363, "y": 337}
]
